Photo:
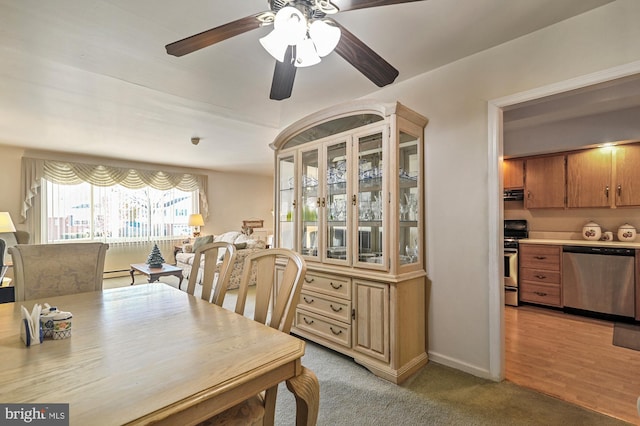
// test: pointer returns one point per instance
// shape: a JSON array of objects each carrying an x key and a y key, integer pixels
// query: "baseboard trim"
[{"x": 462, "y": 366}]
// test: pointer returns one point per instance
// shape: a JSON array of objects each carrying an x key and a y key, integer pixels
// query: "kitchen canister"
[
  {"x": 591, "y": 231},
  {"x": 626, "y": 233}
]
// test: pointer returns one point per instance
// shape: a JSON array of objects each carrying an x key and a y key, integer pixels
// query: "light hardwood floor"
[{"x": 572, "y": 358}]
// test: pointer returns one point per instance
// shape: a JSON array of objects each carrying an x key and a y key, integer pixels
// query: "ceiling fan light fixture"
[
  {"x": 325, "y": 36},
  {"x": 306, "y": 54}
]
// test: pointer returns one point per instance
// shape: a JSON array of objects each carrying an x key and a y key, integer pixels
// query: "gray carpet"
[{"x": 437, "y": 395}]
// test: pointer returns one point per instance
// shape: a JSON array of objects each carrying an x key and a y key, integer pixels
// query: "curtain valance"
[{"x": 68, "y": 173}]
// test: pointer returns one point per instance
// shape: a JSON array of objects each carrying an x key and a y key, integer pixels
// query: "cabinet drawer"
[
  {"x": 328, "y": 284},
  {"x": 542, "y": 257},
  {"x": 326, "y": 328},
  {"x": 540, "y": 275},
  {"x": 332, "y": 307},
  {"x": 546, "y": 294}
]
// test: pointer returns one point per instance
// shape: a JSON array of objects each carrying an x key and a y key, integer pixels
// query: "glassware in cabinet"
[
  {"x": 286, "y": 202},
  {"x": 310, "y": 202}
]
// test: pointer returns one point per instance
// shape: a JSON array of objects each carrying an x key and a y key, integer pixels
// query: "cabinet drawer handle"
[
  {"x": 606, "y": 191},
  {"x": 541, "y": 277},
  {"x": 337, "y": 333},
  {"x": 335, "y": 287},
  {"x": 338, "y": 309},
  {"x": 540, "y": 293},
  {"x": 309, "y": 280},
  {"x": 540, "y": 257},
  {"x": 619, "y": 190},
  {"x": 309, "y": 301},
  {"x": 307, "y": 321}
]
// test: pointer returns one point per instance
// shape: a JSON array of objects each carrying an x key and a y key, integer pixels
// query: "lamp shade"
[
  {"x": 6, "y": 224},
  {"x": 196, "y": 220}
]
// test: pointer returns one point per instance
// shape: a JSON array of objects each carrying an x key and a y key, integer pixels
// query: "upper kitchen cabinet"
[
  {"x": 350, "y": 199},
  {"x": 545, "y": 182},
  {"x": 589, "y": 178},
  {"x": 627, "y": 175},
  {"x": 513, "y": 173}
]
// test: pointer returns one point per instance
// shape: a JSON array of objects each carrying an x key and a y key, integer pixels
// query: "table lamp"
[
  {"x": 6, "y": 224},
  {"x": 196, "y": 221}
]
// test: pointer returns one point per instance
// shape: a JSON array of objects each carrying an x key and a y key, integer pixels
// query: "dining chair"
[
  {"x": 211, "y": 254},
  {"x": 279, "y": 277},
  {"x": 46, "y": 270}
]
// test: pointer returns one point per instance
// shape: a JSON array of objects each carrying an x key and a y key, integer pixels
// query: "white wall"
[{"x": 454, "y": 98}]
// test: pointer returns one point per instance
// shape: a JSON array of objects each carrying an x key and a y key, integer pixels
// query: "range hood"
[{"x": 513, "y": 194}]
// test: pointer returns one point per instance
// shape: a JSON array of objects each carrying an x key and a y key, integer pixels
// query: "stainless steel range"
[{"x": 514, "y": 230}]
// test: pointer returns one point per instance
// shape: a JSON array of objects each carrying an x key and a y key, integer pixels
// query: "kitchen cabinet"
[
  {"x": 589, "y": 178},
  {"x": 627, "y": 175},
  {"x": 545, "y": 182},
  {"x": 540, "y": 274},
  {"x": 513, "y": 173},
  {"x": 350, "y": 199}
]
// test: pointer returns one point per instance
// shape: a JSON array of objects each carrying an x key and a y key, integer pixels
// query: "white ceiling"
[{"x": 93, "y": 77}]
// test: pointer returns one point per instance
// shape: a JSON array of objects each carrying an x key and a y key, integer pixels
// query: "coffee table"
[{"x": 154, "y": 274}]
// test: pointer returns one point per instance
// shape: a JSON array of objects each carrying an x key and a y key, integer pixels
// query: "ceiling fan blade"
[
  {"x": 365, "y": 60},
  {"x": 283, "y": 77},
  {"x": 345, "y": 5},
  {"x": 214, "y": 35}
]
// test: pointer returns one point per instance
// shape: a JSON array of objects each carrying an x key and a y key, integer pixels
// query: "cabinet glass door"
[
  {"x": 370, "y": 206},
  {"x": 337, "y": 202},
  {"x": 409, "y": 199},
  {"x": 309, "y": 203},
  {"x": 286, "y": 202}
]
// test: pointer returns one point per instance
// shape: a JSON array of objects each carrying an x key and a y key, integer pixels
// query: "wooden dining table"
[{"x": 146, "y": 354}]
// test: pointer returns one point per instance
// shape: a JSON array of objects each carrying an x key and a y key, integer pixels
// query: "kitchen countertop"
[{"x": 623, "y": 244}]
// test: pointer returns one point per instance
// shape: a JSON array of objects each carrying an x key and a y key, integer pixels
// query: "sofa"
[{"x": 245, "y": 245}]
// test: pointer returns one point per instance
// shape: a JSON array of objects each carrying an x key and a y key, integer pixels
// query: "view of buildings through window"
[{"x": 115, "y": 213}]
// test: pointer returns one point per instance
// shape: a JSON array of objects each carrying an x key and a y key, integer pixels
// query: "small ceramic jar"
[
  {"x": 626, "y": 233},
  {"x": 62, "y": 325},
  {"x": 591, "y": 231}
]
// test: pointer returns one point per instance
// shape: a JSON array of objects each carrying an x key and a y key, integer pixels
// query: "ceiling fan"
[{"x": 302, "y": 34}]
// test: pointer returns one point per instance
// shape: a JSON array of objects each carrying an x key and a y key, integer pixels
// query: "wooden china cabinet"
[{"x": 349, "y": 198}]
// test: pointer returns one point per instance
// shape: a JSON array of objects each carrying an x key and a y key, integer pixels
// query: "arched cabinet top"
[{"x": 340, "y": 118}]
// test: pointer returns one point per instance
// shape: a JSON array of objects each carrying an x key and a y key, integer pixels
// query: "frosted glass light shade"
[
  {"x": 275, "y": 45},
  {"x": 291, "y": 25},
  {"x": 325, "y": 36},
  {"x": 306, "y": 54}
]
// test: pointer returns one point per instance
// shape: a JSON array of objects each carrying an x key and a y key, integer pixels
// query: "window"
[{"x": 114, "y": 213}]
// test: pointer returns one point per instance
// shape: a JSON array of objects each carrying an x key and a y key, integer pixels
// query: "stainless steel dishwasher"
[{"x": 599, "y": 279}]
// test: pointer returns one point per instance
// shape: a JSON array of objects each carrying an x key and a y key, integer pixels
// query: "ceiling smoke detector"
[{"x": 195, "y": 140}]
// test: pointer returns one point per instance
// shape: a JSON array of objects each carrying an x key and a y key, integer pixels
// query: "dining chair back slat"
[{"x": 209, "y": 254}]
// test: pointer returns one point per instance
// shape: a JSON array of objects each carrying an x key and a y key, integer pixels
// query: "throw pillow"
[{"x": 200, "y": 241}]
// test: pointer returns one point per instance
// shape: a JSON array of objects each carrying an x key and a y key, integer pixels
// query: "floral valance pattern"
[{"x": 67, "y": 173}]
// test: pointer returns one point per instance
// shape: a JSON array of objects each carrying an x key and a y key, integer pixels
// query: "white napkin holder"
[{"x": 30, "y": 329}]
